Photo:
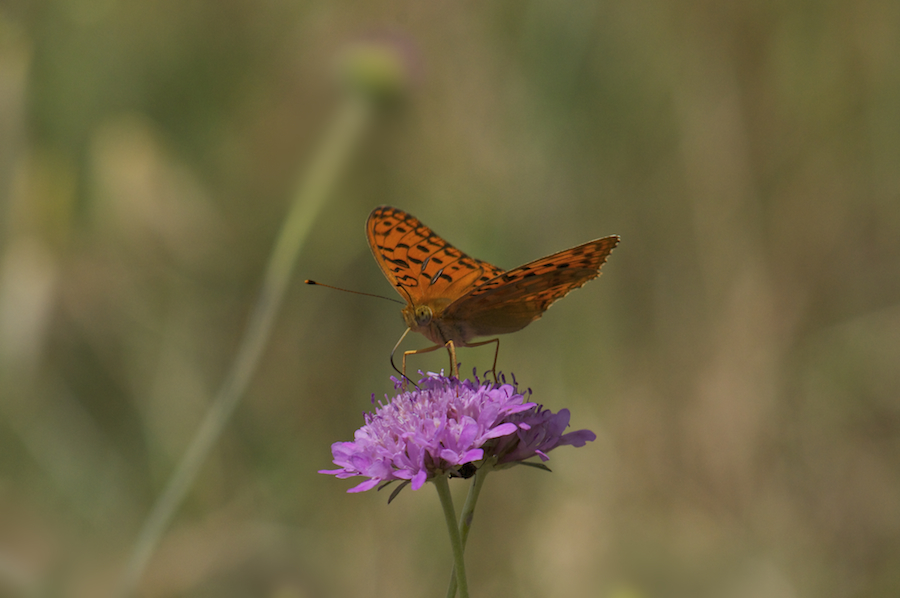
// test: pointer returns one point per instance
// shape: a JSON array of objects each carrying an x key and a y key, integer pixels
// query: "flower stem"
[
  {"x": 466, "y": 517},
  {"x": 443, "y": 489},
  {"x": 344, "y": 134},
  {"x": 468, "y": 512}
]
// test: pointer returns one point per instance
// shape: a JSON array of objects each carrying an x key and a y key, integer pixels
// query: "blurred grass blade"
[
  {"x": 347, "y": 129},
  {"x": 369, "y": 84}
]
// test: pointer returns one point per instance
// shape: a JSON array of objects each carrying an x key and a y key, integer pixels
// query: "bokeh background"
[{"x": 739, "y": 359}]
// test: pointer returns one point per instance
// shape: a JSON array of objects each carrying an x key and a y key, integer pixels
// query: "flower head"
[
  {"x": 381, "y": 67},
  {"x": 444, "y": 424}
]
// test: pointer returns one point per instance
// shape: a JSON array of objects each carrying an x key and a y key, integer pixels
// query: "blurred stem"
[
  {"x": 341, "y": 138},
  {"x": 466, "y": 517},
  {"x": 459, "y": 564}
]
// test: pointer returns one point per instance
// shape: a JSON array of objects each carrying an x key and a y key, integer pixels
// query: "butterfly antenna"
[
  {"x": 394, "y": 350},
  {"x": 319, "y": 284}
]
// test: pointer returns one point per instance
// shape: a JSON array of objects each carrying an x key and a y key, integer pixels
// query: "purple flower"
[{"x": 444, "y": 424}]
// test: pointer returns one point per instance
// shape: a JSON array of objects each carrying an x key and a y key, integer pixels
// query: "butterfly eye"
[{"x": 423, "y": 315}]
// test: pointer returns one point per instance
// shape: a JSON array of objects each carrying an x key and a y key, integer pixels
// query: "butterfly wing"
[
  {"x": 421, "y": 265},
  {"x": 514, "y": 299}
]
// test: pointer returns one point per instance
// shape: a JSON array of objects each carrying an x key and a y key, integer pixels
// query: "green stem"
[
  {"x": 443, "y": 489},
  {"x": 466, "y": 517},
  {"x": 340, "y": 139}
]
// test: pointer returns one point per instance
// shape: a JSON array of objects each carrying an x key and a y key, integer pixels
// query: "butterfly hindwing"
[{"x": 512, "y": 300}]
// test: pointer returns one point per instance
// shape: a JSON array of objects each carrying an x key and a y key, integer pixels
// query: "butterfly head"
[
  {"x": 418, "y": 317},
  {"x": 427, "y": 319}
]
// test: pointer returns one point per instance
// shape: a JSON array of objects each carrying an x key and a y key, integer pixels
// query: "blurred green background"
[{"x": 739, "y": 359}]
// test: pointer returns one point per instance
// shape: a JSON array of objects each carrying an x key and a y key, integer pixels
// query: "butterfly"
[{"x": 452, "y": 297}]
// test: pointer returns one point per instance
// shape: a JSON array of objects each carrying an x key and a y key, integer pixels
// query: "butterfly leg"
[
  {"x": 416, "y": 352},
  {"x": 402, "y": 373},
  {"x": 496, "y": 341},
  {"x": 454, "y": 366}
]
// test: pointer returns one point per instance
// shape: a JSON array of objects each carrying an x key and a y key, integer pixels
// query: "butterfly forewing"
[{"x": 419, "y": 262}]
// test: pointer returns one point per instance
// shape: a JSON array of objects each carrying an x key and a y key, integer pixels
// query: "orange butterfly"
[{"x": 452, "y": 297}]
